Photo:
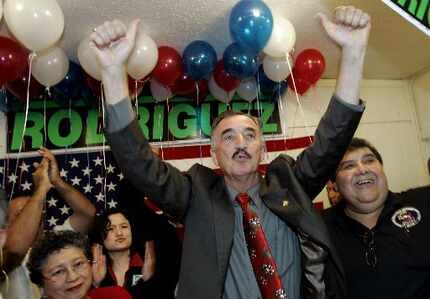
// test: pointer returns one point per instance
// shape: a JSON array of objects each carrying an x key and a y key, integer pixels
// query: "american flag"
[{"x": 95, "y": 174}]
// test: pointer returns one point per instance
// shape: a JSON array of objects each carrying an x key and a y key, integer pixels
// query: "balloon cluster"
[{"x": 257, "y": 60}]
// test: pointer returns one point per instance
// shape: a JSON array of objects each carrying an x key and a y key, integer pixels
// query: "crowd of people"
[{"x": 246, "y": 235}]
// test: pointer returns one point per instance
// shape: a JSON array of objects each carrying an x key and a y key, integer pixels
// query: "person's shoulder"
[{"x": 419, "y": 195}]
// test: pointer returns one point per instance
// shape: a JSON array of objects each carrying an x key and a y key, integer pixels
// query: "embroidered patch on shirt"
[{"x": 406, "y": 217}]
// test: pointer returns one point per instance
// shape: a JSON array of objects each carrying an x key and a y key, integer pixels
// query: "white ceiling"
[{"x": 397, "y": 50}]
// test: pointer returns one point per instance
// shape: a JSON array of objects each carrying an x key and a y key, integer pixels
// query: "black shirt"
[{"x": 391, "y": 260}]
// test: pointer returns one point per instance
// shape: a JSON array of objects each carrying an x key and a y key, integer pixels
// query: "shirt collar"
[{"x": 253, "y": 193}]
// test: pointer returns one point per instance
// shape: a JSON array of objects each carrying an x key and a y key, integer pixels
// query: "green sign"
[
  {"x": 415, "y": 11},
  {"x": 179, "y": 119}
]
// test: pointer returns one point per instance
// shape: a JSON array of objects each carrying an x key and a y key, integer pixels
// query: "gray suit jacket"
[{"x": 199, "y": 198}]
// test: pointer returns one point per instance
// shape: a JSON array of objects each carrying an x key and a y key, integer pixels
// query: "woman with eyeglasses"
[
  {"x": 117, "y": 259},
  {"x": 60, "y": 264}
]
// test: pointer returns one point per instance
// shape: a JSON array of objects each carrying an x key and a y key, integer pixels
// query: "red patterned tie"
[{"x": 262, "y": 261}]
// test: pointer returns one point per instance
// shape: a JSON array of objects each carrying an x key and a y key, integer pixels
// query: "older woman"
[{"x": 60, "y": 264}]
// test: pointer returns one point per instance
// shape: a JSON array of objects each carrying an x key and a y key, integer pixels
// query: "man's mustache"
[{"x": 239, "y": 151}]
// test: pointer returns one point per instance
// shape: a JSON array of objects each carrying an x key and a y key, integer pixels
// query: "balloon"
[
  {"x": 265, "y": 85},
  {"x": 199, "y": 59},
  {"x": 276, "y": 69},
  {"x": 50, "y": 66},
  {"x": 143, "y": 58},
  {"x": 184, "y": 85},
  {"x": 13, "y": 60},
  {"x": 251, "y": 24},
  {"x": 302, "y": 85},
  {"x": 18, "y": 87},
  {"x": 247, "y": 89},
  {"x": 135, "y": 87},
  {"x": 203, "y": 91},
  {"x": 159, "y": 92},
  {"x": 282, "y": 39},
  {"x": 240, "y": 62},
  {"x": 223, "y": 79},
  {"x": 169, "y": 66},
  {"x": 70, "y": 86},
  {"x": 94, "y": 85},
  {"x": 219, "y": 93},
  {"x": 279, "y": 91},
  {"x": 309, "y": 65},
  {"x": 1, "y": 9},
  {"x": 88, "y": 59},
  {"x": 36, "y": 24}
]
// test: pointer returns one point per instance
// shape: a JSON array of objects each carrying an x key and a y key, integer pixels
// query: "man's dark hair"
[
  {"x": 50, "y": 243},
  {"x": 231, "y": 113},
  {"x": 357, "y": 143}
]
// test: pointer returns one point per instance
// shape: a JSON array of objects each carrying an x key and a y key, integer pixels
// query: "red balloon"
[
  {"x": 135, "y": 89},
  {"x": 224, "y": 79},
  {"x": 302, "y": 85},
  {"x": 183, "y": 85},
  {"x": 203, "y": 91},
  {"x": 18, "y": 87},
  {"x": 310, "y": 65},
  {"x": 169, "y": 66},
  {"x": 13, "y": 60}
]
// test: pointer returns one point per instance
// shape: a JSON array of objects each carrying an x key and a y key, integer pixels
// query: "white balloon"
[
  {"x": 88, "y": 59},
  {"x": 282, "y": 39},
  {"x": 247, "y": 89},
  {"x": 1, "y": 14},
  {"x": 219, "y": 93},
  {"x": 143, "y": 58},
  {"x": 50, "y": 66},
  {"x": 159, "y": 92},
  {"x": 276, "y": 69},
  {"x": 37, "y": 24}
]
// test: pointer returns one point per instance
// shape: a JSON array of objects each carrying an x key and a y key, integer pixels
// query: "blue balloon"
[
  {"x": 266, "y": 86},
  {"x": 240, "y": 62},
  {"x": 70, "y": 86},
  {"x": 279, "y": 90},
  {"x": 251, "y": 24},
  {"x": 199, "y": 59}
]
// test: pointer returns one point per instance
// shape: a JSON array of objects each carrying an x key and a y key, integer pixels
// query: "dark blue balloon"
[
  {"x": 199, "y": 59},
  {"x": 240, "y": 62},
  {"x": 266, "y": 86},
  {"x": 251, "y": 24},
  {"x": 70, "y": 86},
  {"x": 279, "y": 90}
]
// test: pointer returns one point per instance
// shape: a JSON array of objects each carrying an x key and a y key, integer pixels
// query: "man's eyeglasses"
[
  {"x": 59, "y": 275},
  {"x": 368, "y": 240}
]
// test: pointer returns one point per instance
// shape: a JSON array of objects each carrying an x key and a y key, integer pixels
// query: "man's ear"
[{"x": 213, "y": 156}]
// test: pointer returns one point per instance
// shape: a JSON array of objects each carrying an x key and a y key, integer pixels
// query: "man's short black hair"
[
  {"x": 357, "y": 143},
  {"x": 50, "y": 243}
]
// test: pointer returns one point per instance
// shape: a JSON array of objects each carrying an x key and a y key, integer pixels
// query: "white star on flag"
[
  {"x": 120, "y": 176},
  {"x": 87, "y": 171},
  {"x": 26, "y": 186},
  {"x": 111, "y": 186},
  {"x": 110, "y": 168},
  {"x": 88, "y": 188},
  {"x": 98, "y": 161},
  {"x": 52, "y": 221},
  {"x": 74, "y": 162},
  {"x": 52, "y": 202},
  {"x": 65, "y": 210},
  {"x": 99, "y": 179},
  {"x": 24, "y": 167},
  {"x": 1, "y": 169},
  {"x": 63, "y": 173},
  {"x": 100, "y": 197},
  {"x": 12, "y": 178},
  {"x": 112, "y": 204},
  {"x": 76, "y": 181}
]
